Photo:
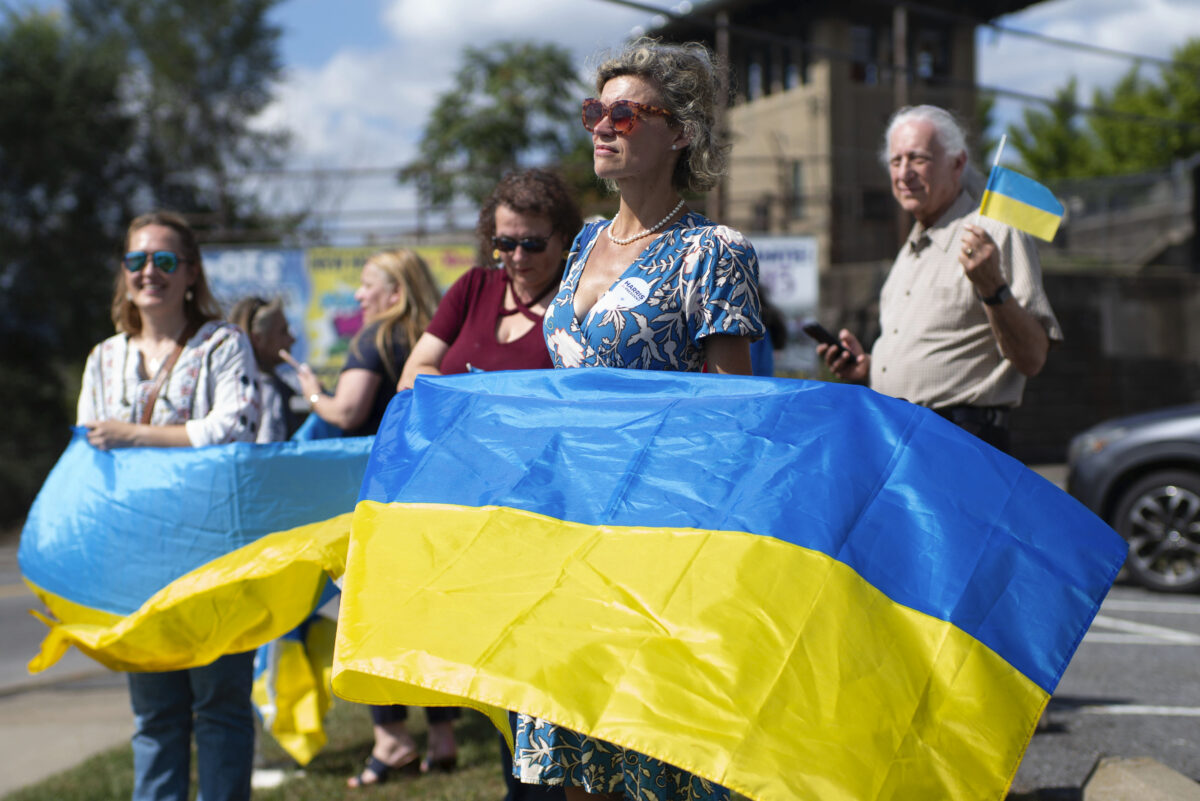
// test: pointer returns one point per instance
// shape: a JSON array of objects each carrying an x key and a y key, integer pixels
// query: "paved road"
[
  {"x": 1133, "y": 689},
  {"x": 60, "y": 717},
  {"x": 21, "y": 632}
]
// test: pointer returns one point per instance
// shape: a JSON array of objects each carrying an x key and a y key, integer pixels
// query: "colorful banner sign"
[{"x": 317, "y": 285}]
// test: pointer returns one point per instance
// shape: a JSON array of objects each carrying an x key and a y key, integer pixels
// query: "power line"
[
  {"x": 1058, "y": 41},
  {"x": 946, "y": 82}
]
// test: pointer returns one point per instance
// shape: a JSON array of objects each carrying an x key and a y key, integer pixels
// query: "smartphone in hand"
[{"x": 821, "y": 334}]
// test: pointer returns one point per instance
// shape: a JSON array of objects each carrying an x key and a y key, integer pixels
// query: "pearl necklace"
[{"x": 647, "y": 232}]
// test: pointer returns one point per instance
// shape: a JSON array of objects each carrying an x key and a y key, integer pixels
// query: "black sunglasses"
[
  {"x": 531, "y": 244},
  {"x": 164, "y": 260}
]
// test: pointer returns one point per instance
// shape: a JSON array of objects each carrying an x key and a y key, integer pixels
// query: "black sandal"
[{"x": 380, "y": 770}]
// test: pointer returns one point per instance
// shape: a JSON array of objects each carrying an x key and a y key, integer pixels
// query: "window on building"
[
  {"x": 798, "y": 62},
  {"x": 792, "y": 77},
  {"x": 931, "y": 52},
  {"x": 796, "y": 195},
  {"x": 762, "y": 214},
  {"x": 754, "y": 80},
  {"x": 863, "y": 68}
]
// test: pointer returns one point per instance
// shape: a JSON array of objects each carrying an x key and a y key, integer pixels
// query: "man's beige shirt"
[{"x": 935, "y": 346}]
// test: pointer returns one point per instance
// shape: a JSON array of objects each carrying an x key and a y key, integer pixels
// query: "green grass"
[{"x": 109, "y": 776}]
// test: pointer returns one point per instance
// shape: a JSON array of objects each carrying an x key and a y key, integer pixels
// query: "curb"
[
  {"x": 1137, "y": 779},
  {"x": 50, "y": 682}
]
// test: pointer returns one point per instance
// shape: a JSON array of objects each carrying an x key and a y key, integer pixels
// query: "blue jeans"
[{"x": 214, "y": 702}]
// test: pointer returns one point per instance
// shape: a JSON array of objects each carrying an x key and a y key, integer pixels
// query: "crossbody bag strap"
[{"x": 159, "y": 380}]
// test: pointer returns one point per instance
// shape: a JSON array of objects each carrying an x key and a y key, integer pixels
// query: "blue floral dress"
[{"x": 695, "y": 280}]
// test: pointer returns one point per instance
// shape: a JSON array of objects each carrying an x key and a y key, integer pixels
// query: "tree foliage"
[
  {"x": 1126, "y": 144},
  {"x": 199, "y": 72},
  {"x": 108, "y": 109},
  {"x": 64, "y": 134},
  {"x": 513, "y": 104},
  {"x": 1052, "y": 143},
  {"x": 1142, "y": 123}
]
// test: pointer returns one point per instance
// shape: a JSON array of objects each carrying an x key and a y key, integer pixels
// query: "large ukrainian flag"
[
  {"x": 794, "y": 589},
  {"x": 167, "y": 558}
]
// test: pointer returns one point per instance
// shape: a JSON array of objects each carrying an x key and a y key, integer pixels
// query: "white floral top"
[{"x": 212, "y": 389}]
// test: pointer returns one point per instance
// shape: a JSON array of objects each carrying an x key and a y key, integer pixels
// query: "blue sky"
[
  {"x": 362, "y": 78},
  {"x": 361, "y": 75}
]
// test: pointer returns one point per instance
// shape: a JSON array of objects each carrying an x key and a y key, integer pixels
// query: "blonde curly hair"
[{"x": 688, "y": 77}]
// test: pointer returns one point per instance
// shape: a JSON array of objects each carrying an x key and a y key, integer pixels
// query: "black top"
[{"x": 364, "y": 355}]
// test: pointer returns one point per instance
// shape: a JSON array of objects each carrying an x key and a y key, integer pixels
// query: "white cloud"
[
  {"x": 365, "y": 107},
  {"x": 371, "y": 104},
  {"x": 579, "y": 25},
  {"x": 1144, "y": 27},
  {"x": 1147, "y": 27}
]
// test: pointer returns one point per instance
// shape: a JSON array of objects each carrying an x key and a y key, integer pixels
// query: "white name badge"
[{"x": 628, "y": 293}]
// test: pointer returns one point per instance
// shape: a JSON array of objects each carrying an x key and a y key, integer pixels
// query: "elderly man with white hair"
[{"x": 963, "y": 316}]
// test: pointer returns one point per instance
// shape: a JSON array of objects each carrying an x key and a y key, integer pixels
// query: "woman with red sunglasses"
[{"x": 659, "y": 287}]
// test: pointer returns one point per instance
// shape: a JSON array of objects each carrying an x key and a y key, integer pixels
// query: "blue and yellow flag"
[
  {"x": 291, "y": 689},
  {"x": 1022, "y": 203},
  {"x": 794, "y": 589},
  {"x": 155, "y": 559}
]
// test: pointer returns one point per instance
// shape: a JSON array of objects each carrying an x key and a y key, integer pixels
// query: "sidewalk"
[
  {"x": 59, "y": 718},
  {"x": 45, "y": 731}
]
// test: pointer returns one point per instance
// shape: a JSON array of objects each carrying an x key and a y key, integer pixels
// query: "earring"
[
  {"x": 189, "y": 295},
  {"x": 496, "y": 254},
  {"x": 673, "y": 147}
]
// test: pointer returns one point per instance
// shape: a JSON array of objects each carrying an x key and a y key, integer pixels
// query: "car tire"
[{"x": 1159, "y": 516}]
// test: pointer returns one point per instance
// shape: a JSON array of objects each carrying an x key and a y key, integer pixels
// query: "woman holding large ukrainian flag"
[
  {"x": 175, "y": 375},
  {"x": 659, "y": 287}
]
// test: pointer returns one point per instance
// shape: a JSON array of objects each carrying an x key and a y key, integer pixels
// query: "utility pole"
[{"x": 900, "y": 77}]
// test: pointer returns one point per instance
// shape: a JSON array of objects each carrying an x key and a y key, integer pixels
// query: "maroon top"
[{"x": 467, "y": 317}]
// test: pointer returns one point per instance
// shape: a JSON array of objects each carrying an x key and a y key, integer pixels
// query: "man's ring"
[{"x": 970, "y": 251}]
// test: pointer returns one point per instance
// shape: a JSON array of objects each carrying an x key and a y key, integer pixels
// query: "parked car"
[{"x": 1141, "y": 474}]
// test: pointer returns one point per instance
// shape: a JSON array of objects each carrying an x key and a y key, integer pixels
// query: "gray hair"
[
  {"x": 687, "y": 75},
  {"x": 950, "y": 132}
]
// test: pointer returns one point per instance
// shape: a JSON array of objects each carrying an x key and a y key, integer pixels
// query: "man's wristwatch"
[{"x": 1002, "y": 294}]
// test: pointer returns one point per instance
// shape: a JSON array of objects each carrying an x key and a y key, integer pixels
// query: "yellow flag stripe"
[
  {"x": 292, "y": 693},
  {"x": 231, "y": 604},
  {"x": 1027, "y": 218},
  {"x": 772, "y": 669}
]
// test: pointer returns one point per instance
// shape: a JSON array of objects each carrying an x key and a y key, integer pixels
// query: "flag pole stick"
[{"x": 999, "y": 150}]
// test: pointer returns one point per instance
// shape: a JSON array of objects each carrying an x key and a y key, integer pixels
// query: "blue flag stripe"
[
  {"x": 1011, "y": 184},
  {"x": 931, "y": 516},
  {"x": 111, "y": 528}
]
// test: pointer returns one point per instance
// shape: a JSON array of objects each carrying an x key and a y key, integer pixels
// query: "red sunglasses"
[{"x": 622, "y": 113}]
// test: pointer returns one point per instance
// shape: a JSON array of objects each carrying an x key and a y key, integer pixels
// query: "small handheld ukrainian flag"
[{"x": 1022, "y": 203}]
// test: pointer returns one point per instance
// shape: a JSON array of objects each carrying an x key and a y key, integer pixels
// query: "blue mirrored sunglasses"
[{"x": 164, "y": 260}]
